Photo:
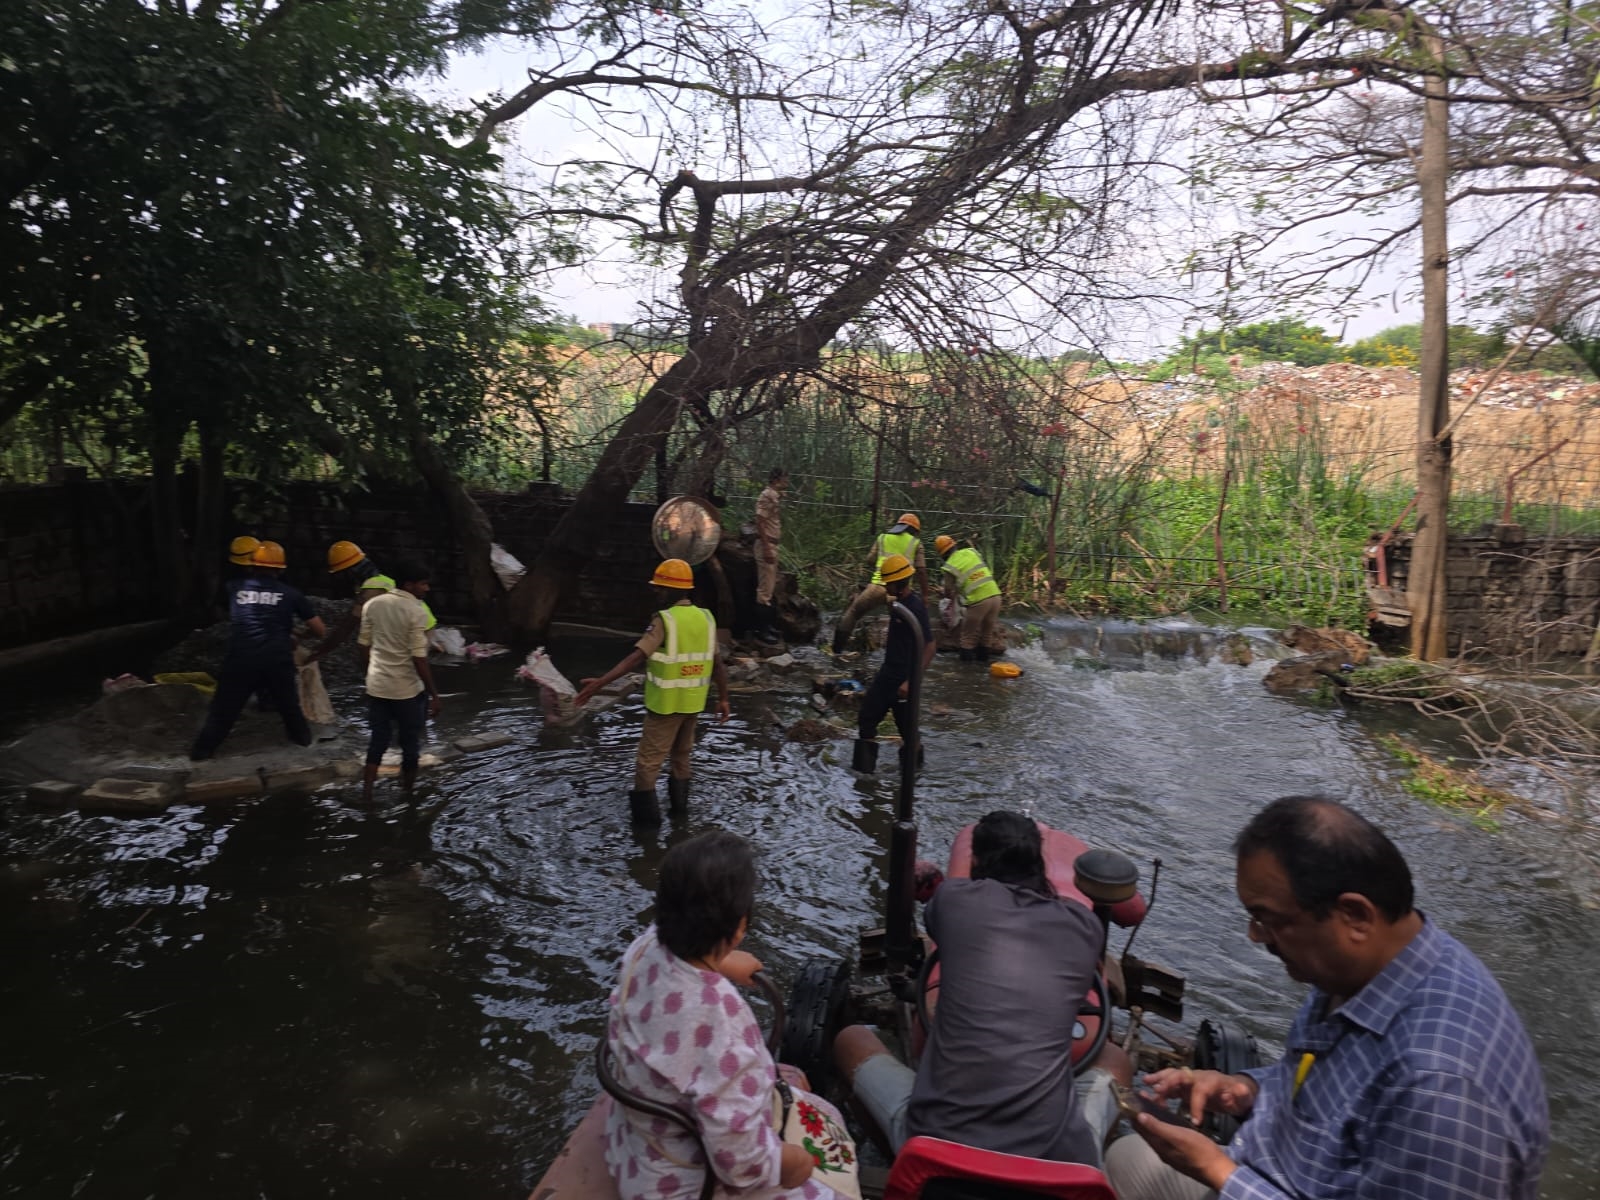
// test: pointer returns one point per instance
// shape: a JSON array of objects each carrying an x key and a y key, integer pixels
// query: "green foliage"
[
  {"x": 1449, "y": 786},
  {"x": 1287, "y": 339}
]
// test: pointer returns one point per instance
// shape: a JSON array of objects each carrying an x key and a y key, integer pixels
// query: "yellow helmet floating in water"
[
  {"x": 895, "y": 567},
  {"x": 240, "y": 550},
  {"x": 674, "y": 573},
  {"x": 1005, "y": 670}
]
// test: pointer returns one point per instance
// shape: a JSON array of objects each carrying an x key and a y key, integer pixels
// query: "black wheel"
[
  {"x": 819, "y": 1006},
  {"x": 1219, "y": 1046}
]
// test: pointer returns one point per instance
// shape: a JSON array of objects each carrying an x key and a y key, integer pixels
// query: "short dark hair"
[
  {"x": 1007, "y": 846},
  {"x": 1327, "y": 850},
  {"x": 409, "y": 570},
  {"x": 776, "y": 474},
  {"x": 706, "y": 886}
]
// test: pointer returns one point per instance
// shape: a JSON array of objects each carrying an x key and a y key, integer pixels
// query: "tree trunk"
[
  {"x": 532, "y": 603},
  {"x": 1426, "y": 585},
  {"x": 471, "y": 527},
  {"x": 209, "y": 510}
]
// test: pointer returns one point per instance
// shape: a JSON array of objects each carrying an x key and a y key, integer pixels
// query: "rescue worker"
[
  {"x": 891, "y": 686},
  {"x": 769, "y": 530},
  {"x": 679, "y": 654},
  {"x": 394, "y": 648},
  {"x": 346, "y": 561},
  {"x": 260, "y": 652},
  {"x": 904, "y": 539},
  {"x": 969, "y": 582}
]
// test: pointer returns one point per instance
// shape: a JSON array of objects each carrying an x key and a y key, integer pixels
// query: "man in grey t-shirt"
[{"x": 1015, "y": 962}]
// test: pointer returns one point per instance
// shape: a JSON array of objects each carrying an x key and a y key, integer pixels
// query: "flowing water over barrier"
[{"x": 290, "y": 997}]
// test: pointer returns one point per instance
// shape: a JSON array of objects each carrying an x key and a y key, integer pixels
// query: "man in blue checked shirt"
[{"x": 1406, "y": 1072}]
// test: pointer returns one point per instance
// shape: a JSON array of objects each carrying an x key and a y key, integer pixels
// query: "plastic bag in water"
[
  {"x": 556, "y": 692},
  {"x": 450, "y": 642}
]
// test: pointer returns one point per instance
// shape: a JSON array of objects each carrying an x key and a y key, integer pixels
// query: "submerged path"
[{"x": 289, "y": 997}]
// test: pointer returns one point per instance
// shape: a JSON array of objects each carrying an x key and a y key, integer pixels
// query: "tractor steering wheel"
[{"x": 1099, "y": 1007}]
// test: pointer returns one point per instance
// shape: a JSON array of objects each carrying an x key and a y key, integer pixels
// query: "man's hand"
[
  {"x": 1186, "y": 1150},
  {"x": 1205, "y": 1091},
  {"x": 435, "y": 706},
  {"x": 905, "y": 690},
  {"x": 723, "y": 711},
  {"x": 586, "y": 692},
  {"x": 739, "y": 966}
]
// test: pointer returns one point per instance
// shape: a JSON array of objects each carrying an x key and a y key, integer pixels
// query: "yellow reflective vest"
[
  {"x": 894, "y": 543},
  {"x": 974, "y": 581},
  {"x": 678, "y": 675}
]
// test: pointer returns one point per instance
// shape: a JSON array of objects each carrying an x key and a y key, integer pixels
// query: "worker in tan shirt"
[
  {"x": 769, "y": 530},
  {"x": 394, "y": 647}
]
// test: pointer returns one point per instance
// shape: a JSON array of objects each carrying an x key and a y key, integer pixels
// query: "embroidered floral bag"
[{"x": 801, "y": 1123}]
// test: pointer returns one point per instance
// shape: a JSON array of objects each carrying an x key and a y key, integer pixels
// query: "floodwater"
[{"x": 291, "y": 998}]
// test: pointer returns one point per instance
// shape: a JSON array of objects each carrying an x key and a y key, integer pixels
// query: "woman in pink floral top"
[{"x": 681, "y": 1034}]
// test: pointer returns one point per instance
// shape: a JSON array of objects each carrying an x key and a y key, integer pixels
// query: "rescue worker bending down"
[
  {"x": 969, "y": 582},
  {"x": 347, "y": 563},
  {"x": 679, "y": 654},
  {"x": 903, "y": 539},
  {"x": 262, "y": 609},
  {"x": 891, "y": 687}
]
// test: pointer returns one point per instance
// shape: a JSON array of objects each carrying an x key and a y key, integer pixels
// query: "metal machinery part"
[{"x": 686, "y": 527}]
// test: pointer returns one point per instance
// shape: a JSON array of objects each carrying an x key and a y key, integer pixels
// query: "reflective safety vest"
[
  {"x": 678, "y": 675},
  {"x": 974, "y": 581},
  {"x": 895, "y": 543}
]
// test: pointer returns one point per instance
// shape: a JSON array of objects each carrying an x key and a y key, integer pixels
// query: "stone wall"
[
  {"x": 77, "y": 556},
  {"x": 1516, "y": 594}
]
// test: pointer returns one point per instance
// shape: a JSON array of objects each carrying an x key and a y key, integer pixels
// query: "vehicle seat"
[{"x": 933, "y": 1169}]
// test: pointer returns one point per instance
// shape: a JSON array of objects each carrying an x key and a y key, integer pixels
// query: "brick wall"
[
  {"x": 1516, "y": 594},
  {"x": 77, "y": 556}
]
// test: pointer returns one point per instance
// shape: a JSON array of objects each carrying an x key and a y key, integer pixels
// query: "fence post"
[{"x": 1216, "y": 535}]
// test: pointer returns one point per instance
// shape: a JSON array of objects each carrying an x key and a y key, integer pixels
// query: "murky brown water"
[{"x": 293, "y": 999}]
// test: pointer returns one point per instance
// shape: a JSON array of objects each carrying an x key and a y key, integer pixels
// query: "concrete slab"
[
  {"x": 482, "y": 741},
  {"x": 171, "y": 775},
  {"x": 301, "y": 778},
  {"x": 129, "y": 796},
  {"x": 54, "y": 795},
  {"x": 220, "y": 791}
]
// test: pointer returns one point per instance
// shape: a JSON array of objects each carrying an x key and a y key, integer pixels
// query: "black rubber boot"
[
  {"x": 982, "y": 654},
  {"x": 768, "y": 633},
  {"x": 644, "y": 807},
  {"x": 840, "y": 640},
  {"x": 677, "y": 796},
  {"x": 865, "y": 757},
  {"x": 969, "y": 656}
]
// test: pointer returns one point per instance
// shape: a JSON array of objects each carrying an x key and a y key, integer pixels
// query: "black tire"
[
  {"x": 1219, "y": 1046},
  {"x": 819, "y": 1006}
]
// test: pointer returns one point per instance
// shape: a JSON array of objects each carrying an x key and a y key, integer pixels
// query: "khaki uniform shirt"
[{"x": 769, "y": 515}]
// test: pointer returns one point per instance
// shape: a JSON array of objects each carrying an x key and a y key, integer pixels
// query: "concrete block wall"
[
  {"x": 1517, "y": 594},
  {"x": 73, "y": 557},
  {"x": 77, "y": 556}
]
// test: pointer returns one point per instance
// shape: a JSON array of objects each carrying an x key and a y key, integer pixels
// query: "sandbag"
[
  {"x": 506, "y": 566},
  {"x": 314, "y": 702},
  {"x": 448, "y": 641},
  {"x": 556, "y": 693}
]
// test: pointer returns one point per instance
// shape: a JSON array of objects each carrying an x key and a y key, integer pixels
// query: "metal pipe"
[{"x": 901, "y": 947}]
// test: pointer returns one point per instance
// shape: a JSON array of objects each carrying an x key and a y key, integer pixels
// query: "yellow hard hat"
[
  {"x": 944, "y": 543},
  {"x": 240, "y": 550},
  {"x": 895, "y": 568},
  {"x": 268, "y": 554},
  {"x": 1004, "y": 670},
  {"x": 344, "y": 555},
  {"x": 673, "y": 573},
  {"x": 912, "y": 520}
]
